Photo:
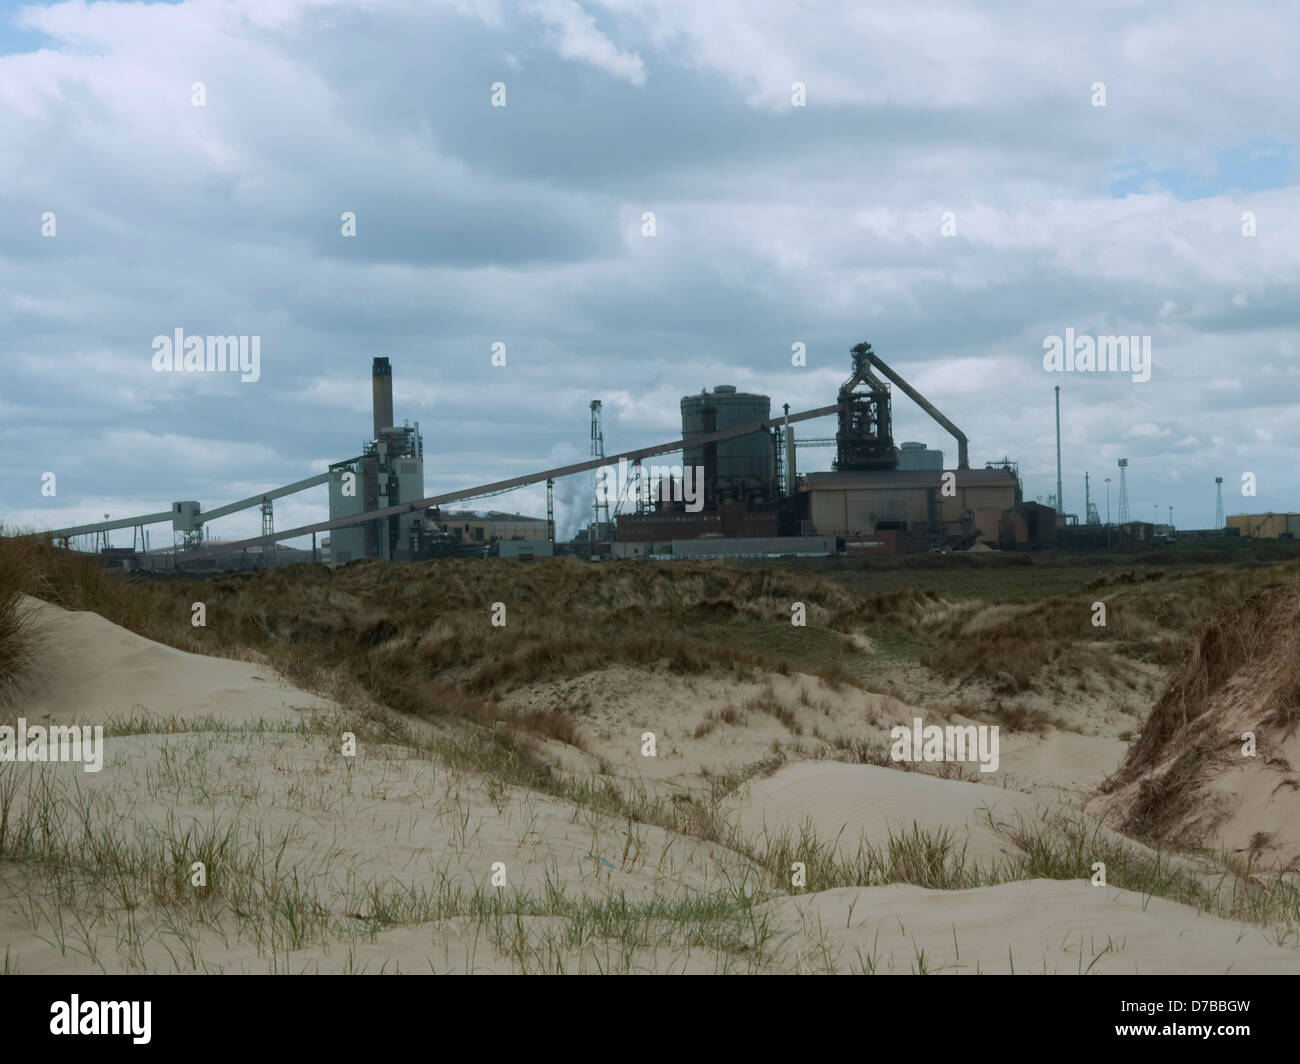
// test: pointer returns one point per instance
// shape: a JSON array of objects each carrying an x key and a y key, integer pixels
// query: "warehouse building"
[
  {"x": 912, "y": 502},
  {"x": 711, "y": 547},
  {"x": 486, "y": 527},
  {"x": 1266, "y": 526}
]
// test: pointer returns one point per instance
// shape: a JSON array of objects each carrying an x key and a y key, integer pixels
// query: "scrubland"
[{"x": 499, "y": 812}]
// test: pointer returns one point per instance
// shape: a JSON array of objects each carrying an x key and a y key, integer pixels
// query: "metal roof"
[{"x": 908, "y": 478}]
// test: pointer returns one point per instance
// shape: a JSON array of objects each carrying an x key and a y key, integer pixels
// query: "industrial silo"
[{"x": 742, "y": 468}]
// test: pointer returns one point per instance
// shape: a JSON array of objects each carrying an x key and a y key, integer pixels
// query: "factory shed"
[
  {"x": 525, "y": 549},
  {"x": 1029, "y": 526},
  {"x": 1266, "y": 526},
  {"x": 910, "y": 501}
]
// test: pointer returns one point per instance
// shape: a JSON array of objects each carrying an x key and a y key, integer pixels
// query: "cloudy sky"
[{"x": 949, "y": 190}]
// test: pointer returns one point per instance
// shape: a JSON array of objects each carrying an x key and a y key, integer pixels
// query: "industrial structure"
[
  {"x": 600, "y": 501},
  {"x": 911, "y": 510},
  {"x": 493, "y": 525},
  {"x": 374, "y": 497},
  {"x": 900, "y": 499},
  {"x": 747, "y": 497},
  {"x": 1093, "y": 517},
  {"x": 880, "y": 496},
  {"x": 736, "y": 478},
  {"x": 389, "y": 471},
  {"x": 1266, "y": 526},
  {"x": 739, "y": 469}
]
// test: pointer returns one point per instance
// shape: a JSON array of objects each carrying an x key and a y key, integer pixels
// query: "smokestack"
[{"x": 381, "y": 379}]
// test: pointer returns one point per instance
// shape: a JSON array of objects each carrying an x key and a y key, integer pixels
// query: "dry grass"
[
  {"x": 1013, "y": 645},
  {"x": 418, "y": 640},
  {"x": 767, "y": 701},
  {"x": 17, "y": 639},
  {"x": 1182, "y": 737}
]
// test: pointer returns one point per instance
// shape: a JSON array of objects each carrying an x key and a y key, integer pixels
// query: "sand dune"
[
  {"x": 1036, "y": 926},
  {"x": 867, "y": 803},
  {"x": 1064, "y": 762},
  {"x": 92, "y": 670},
  {"x": 413, "y": 835},
  {"x": 1218, "y": 763}
]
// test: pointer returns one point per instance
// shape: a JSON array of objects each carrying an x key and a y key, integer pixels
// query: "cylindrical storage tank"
[
  {"x": 916, "y": 456},
  {"x": 751, "y": 456}
]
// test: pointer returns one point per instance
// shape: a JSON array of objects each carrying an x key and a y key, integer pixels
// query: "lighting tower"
[
  {"x": 1218, "y": 502},
  {"x": 597, "y": 451},
  {"x": 1123, "y": 491}
]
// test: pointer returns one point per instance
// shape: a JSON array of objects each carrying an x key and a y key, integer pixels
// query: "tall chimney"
[{"x": 381, "y": 378}]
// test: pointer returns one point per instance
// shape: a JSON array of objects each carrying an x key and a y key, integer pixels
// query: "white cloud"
[
  {"x": 821, "y": 226},
  {"x": 579, "y": 38}
]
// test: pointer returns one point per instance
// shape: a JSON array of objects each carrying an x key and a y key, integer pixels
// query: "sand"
[
  {"x": 1031, "y": 927},
  {"x": 856, "y": 803},
  {"x": 1224, "y": 759},
  {"x": 93, "y": 671},
  {"x": 352, "y": 828}
]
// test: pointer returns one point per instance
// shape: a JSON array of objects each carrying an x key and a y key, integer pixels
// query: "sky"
[{"x": 954, "y": 183}]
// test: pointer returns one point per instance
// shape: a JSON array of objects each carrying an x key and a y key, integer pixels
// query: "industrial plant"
[
  {"x": 879, "y": 498},
  {"x": 389, "y": 470}
]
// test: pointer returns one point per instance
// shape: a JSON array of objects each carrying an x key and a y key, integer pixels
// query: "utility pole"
[
  {"x": 1108, "y": 513},
  {"x": 1123, "y": 491},
  {"x": 1060, "y": 505}
]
